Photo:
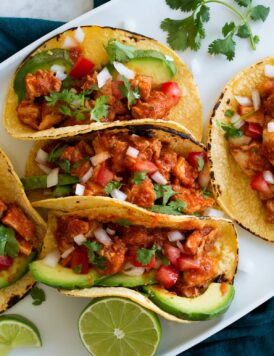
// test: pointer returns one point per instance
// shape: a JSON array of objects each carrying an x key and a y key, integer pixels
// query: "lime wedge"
[
  {"x": 119, "y": 327},
  {"x": 17, "y": 331}
]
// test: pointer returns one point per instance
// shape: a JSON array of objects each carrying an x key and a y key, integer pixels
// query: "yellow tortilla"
[
  {"x": 12, "y": 191},
  {"x": 187, "y": 112},
  {"x": 231, "y": 186},
  {"x": 180, "y": 142},
  {"x": 226, "y": 253}
]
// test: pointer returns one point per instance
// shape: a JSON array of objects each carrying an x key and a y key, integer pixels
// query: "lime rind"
[
  {"x": 117, "y": 326},
  {"x": 16, "y": 332}
]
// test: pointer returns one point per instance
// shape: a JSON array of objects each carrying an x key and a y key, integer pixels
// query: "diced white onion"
[
  {"x": 204, "y": 177},
  {"x": 79, "y": 35},
  {"x": 41, "y": 156},
  {"x": 213, "y": 213},
  {"x": 175, "y": 236},
  {"x": 134, "y": 135},
  {"x": 101, "y": 157},
  {"x": 239, "y": 141},
  {"x": 133, "y": 271},
  {"x": 79, "y": 239},
  {"x": 159, "y": 178},
  {"x": 256, "y": 99},
  {"x": 110, "y": 231},
  {"x": 69, "y": 43},
  {"x": 52, "y": 258},
  {"x": 103, "y": 77},
  {"x": 66, "y": 253},
  {"x": 118, "y": 194},
  {"x": 269, "y": 70},
  {"x": 243, "y": 100},
  {"x": 86, "y": 176},
  {"x": 59, "y": 71},
  {"x": 102, "y": 236},
  {"x": 52, "y": 178},
  {"x": 123, "y": 70},
  {"x": 44, "y": 168},
  {"x": 270, "y": 126},
  {"x": 169, "y": 58},
  {"x": 237, "y": 121},
  {"x": 132, "y": 152},
  {"x": 268, "y": 177},
  {"x": 80, "y": 189}
]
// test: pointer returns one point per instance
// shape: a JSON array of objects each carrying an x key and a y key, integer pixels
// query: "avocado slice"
[
  {"x": 207, "y": 306},
  {"x": 159, "y": 69},
  {"x": 16, "y": 270},
  {"x": 122, "y": 280},
  {"x": 62, "y": 277}
]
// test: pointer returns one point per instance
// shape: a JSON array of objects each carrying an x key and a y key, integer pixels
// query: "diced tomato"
[
  {"x": 253, "y": 130},
  {"x": 116, "y": 88},
  {"x": 172, "y": 90},
  {"x": 5, "y": 262},
  {"x": 80, "y": 259},
  {"x": 259, "y": 183},
  {"x": 172, "y": 253},
  {"x": 185, "y": 263},
  {"x": 104, "y": 175},
  {"x": 132, "y": 258},
  {"x": 194, "y": 158},
  {"x": 142, "y": 165},
  {"x": 167, "y": 276},
  {"x": 82, "y": 67}
]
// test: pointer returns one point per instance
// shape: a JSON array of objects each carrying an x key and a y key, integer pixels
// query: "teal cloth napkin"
[{"x": 252, "y": 335}]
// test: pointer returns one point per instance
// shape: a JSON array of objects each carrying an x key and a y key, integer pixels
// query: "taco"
[
  {"x": 241, "y": 149},
  {"x": 179, "y": 267},
  {"x": 21, "y": 234},
  {"x": 154, "y": 168},
  {"x": 96, "y": 77}
]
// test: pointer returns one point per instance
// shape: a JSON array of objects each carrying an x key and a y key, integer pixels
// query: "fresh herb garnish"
[
  {"x": 139, "y": 177},
  {"x": 175, "y": 207},
  {"x": 77, "y": 269},
  {"x": 229, "y": 113},
  {"x": 8, "y": 244},
  {"x": 178, "y": 205},
  {"x": 201, "y": 163},
  {"x": 230, "y": 130},
  {"x": 196, "y": 214},
  {"x": 117, "y": 51},
  {"x": 38, "y": 296},
  {"x": 100, "y": 110},
  {"x": 112, "y": 185},
  {"x": 190, "y": 31},
  {"x": 56, "y": 152},
  {"x": 132, "y": 94},
  {"x": 123, "y": 222},
  {"x": 164, "y": 191},
  {"x": 64, "y": 164},
  {"x": 160, "y": 255},
  {"x": 206, "y": 193},
  {"x": 95, "y": 259},
  {"x": 79, "y": 163},
  {"x": 144, "y": 255}
]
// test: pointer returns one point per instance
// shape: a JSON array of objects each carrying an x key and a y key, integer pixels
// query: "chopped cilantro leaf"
[
  {"x": 100, "y": 110},
  {"x": 224, "y": 46},
  {"x": 243, "y": 31},
  {"x": 259, "y": 12},
  {"x": 164, "y": 191},
  {"x": 38, "y": 295},
  {"x": 144, "y": 255},
  {"x": 8, "y": 244},
  {"x": 64, "y": 164},
  {"x": 201, "y": 163},
  {"x": 56, "y": 152},
  {"x": 178, "y": 205},
  {"x": 95, "y": 259},
  {"x": 244, "y": 3},
  {"x": 139, "y": 177},
  {"x": 229, "y": 113},
  {"x": 206, "y": 193},
  {"x": 128, "y": 92},
  {"x": 124, "y": 222},
  {"x": 160, "y": 255},
  {"x": 164, "y": 209},
  {"x": 230, "y": 130},
  {"x": 112, "y": 185},
  {"x": 183, "y": 5},
  {"x": 117, "y": 51},
  {"x": 77, "y": 269}
]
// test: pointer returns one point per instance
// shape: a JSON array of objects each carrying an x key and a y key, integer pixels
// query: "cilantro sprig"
[
  {"x": 190, "y": 31},
  {"x": 38, "y": 295},
  {"x": 229, "y": 129},
  {"x": 94, "y": 258},
  {"x": 132, "y": 94},
  {"x": 100, "y": 110},
  {"x": 112, "y": 185},
  {"x": 8, "y": 244},
  {"x": 139, "y": 177}
]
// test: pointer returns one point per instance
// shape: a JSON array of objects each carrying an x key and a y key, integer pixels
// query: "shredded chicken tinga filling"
[
  {"x": 184, "y": 262},
  {"x": 250, "y": 135}
]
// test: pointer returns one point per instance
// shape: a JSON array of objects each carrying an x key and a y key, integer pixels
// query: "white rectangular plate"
[{"x": 57, "y": 317}]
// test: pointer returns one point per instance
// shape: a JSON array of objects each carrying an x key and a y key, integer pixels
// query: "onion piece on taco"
[
  {"x": 74, "y": 84},
  {"x": 241, "y": 149}
]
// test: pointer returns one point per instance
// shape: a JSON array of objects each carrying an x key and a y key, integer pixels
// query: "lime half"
[
  {"x": 119, "y": 327},
  {"x": 17, "y": 331}
]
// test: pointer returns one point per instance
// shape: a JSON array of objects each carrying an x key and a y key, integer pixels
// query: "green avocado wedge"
[
  {"x": 122, "y": 280},
  {"x": 62, "y": 277},
  {"x": 207, "y": 306},
  {"x": 16, "y": 270}
]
